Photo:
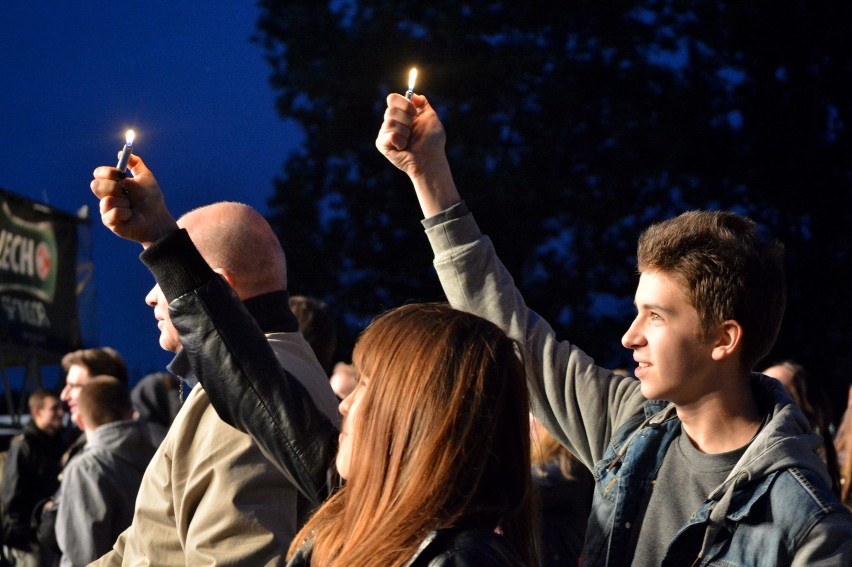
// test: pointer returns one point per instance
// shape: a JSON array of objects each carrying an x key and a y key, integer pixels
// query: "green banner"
[
  {"x": 28, "y": 255},
  {"x": 38, "y": 265}
]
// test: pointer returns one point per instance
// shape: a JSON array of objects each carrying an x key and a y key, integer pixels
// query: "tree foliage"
[{"x": 570, "y": 128}]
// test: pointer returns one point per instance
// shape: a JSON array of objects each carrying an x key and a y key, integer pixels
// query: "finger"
[
  {"x": 114, "y": 211},
  {"x": 107, "y": 172},
  {"x": 395, "y": 100},
  {"x": 393, "y": 136},
  {"x": 394, "y": 114},
  {"x": 105, "y": 187},
  {"x": 115, "y": 221},
  {"x": 420, "y": 104}
]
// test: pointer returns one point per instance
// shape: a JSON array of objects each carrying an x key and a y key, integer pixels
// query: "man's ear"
[
  {"x": 729, "y": 338},
  {"x": 225, "y": 274}
]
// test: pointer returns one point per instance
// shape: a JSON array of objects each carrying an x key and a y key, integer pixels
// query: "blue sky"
[{"x": 185, "y": 76}]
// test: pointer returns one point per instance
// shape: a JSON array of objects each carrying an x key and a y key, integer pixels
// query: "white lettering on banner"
[
  {"x": 17, "y": 254},
  {"x": 31, "y": 313}
]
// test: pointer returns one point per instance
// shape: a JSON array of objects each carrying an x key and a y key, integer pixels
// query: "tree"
[{"x": 570, "y": 128}]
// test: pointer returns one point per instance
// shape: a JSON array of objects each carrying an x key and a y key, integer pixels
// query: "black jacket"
[
  {"x": 249, "y": 389},
  {"x": 31, "y": 474},
  {"x": 456, "y": 547},
  {"x": 232, "y": 359}
]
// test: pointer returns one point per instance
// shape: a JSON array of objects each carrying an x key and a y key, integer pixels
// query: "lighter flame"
[
  {"x": 412, "y": 76},
  {"x": 131, "y": 135}
]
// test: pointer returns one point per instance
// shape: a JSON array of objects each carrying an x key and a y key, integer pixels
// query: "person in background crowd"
[
  {"x": 318, "y": 327},
  {"x": 30, "y": 475},
  {"x": 344, "y": 379},
  {"x": 810, "y": 398},
  {"x": 99, "y": 485},
  {"x": 156, "y": 400},
  {"x": 843, "y": 447},
  {"x": 79, "y": 367},
  {"x": 565, "y": 489}
]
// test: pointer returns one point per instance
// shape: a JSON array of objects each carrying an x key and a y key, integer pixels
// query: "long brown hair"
[{"x": 442, "y": 440}]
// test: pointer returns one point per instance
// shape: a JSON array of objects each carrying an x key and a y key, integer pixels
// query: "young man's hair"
[
  {"x": 98, "y": 361},
  {"x": 38, "y": 398},
  {"x": 729, "y": 271},
  {"x": 104, "y": 399},
  {"x": 318, "y": 327},
  {"x": 441, "y": 439}
]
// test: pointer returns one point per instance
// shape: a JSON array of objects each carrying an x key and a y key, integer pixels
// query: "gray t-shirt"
[{"x": 687, "y": 476}]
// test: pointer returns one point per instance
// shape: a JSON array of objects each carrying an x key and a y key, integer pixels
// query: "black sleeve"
[
  {"x": 45, "y": 526},
  {"x": 239, "y": 371},
  {"x": 16, "y": 499}
]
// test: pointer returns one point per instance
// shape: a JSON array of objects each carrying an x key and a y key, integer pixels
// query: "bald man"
[{"x": 209, "y": 495}]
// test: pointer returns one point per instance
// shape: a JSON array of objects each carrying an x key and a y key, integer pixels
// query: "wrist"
[{"x": 436, "y": 189}]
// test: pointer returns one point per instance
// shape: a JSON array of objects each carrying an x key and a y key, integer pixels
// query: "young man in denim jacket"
[{"x": 700, "y": 461}]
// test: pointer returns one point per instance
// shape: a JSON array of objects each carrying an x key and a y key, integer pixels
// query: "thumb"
[
  {"x": 420, "y": 102},
  {"x": 137, "y": 167}
]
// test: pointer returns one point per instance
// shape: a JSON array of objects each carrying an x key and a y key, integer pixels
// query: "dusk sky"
[{"x": 184, "y": 75}]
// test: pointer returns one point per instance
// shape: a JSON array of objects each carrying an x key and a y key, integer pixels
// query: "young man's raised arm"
[{"x": 579, "y": 402}]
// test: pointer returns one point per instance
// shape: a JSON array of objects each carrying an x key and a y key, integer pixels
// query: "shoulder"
[
  {"x": 20, "y": 441},
  {"x": 800, "y": 505},
  {"x": 468, "y": 547},
  {"x": 816, "y": 520},
  {"x": 807, "y": 490},
  {"x": 83, "y": 464},
  {"x": 22, "y": 450}
]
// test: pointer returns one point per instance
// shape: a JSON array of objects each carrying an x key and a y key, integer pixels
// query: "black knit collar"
[{"x": 272, "y": 312}]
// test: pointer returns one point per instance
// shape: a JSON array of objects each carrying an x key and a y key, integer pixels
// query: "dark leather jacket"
[
  {"x": 249, "y": 389},
  {"x": 232, "y": 359},
  {"x": 456, "y": 547}
]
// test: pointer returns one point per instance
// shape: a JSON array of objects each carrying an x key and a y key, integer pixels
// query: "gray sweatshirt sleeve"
[{"x": 580, "y": 403}]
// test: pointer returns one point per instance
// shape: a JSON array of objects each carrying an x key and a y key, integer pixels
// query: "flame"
[
  {"x": 412, "y": 76},
  {"x": 131, "y": 135}
]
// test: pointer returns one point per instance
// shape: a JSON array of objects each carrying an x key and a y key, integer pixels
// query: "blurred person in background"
[
  {"x": 318, "y": 327},
  {"x": 812, "y": 401},
  {"x": 344, "y": 379},
  {"x": 80, "y": 366},
  {"x": 156, "y": 400},
  {"x": 31, "y": 475},
  {"x": 565, "y": 487},
  {"x": 99, "y": 486}
]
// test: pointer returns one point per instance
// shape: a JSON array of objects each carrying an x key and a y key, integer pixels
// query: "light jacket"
[
  {"x": 256, "y": 395},
  {"x": 210, "y": 496},
  {"x": 775, "y": 508},
  {"x": 98, "y": 490}
]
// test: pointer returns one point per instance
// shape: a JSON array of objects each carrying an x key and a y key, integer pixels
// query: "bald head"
[{"x": 236, "y": 240}]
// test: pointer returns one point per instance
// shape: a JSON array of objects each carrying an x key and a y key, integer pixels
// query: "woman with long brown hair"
[{"x": 434, "y": 447}]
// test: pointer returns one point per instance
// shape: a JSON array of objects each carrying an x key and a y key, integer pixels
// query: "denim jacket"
[
  {"x": 774, "y": 508},
  {"x": 767, "y": 512}
]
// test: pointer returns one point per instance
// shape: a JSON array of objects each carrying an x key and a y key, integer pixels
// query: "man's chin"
[{"x": 169, "y": 345}]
